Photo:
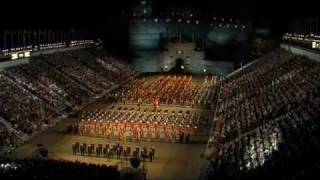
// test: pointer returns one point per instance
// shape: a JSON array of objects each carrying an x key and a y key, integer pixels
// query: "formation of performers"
[
  {"x": 176, "y": 90},
  {"x": 140, "y": 125},
  {"x": 116, "y": 151}
]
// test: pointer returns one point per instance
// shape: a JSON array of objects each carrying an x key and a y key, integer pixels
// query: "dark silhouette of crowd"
[
  {"x": 270, "y": 121},
  {"x": 55, "y": 169}
]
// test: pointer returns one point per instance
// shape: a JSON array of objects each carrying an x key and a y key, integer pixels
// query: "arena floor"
[{"x": 172, "y": 160}]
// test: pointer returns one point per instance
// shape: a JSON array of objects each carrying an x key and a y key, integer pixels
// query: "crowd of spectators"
[
  {"x": 7, "y": 138},
  {"x": 34, "y": 95},
  {"x": 55, "y": 169},
  {"x": 22, "y": 109},
  {"x": 89, "y": 69},
  {"x": 269, "y": 113}
]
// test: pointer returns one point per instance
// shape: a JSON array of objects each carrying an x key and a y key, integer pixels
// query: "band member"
[
  {"x": 131, "y": 125},
  {"x": 140, "y": 124}
]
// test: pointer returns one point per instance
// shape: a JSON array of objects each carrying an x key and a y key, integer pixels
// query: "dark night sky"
[
  {"x": 107, "y": 15},
  {"x": 98, "y": 13}
]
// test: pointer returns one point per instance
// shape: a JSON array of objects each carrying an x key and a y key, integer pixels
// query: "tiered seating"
[
  {"x": 22, "y": 75},
  {"x": 68, "y": 64},
  {"x": 110, "y": 67},
  {"x": 139, "y": 125},
  {"x": 7, "y": 140},
  {"x": 88, "y": 70},
  {"x": 269, "y": 112},
  {"x": 25, "y": 111},
  {"x": 35, "y": 94},
  {"x": 49, "y": 84}
]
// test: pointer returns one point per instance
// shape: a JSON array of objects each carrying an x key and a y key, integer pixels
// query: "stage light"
[
  {"x": 182, "y": 67},
  {"x": 243, "y": 26},
  {"x": 179, "y": 20},
  {"x": 188, "y": 21},
  {"x": 197, "y": 22},
  {"x": 27, "y": 54},
  {"x": 314, "y": 45},
  {"x": 14, "y": 56},
  {"x": 204, "y": 70},
  {"x": 191, "y": 15}
]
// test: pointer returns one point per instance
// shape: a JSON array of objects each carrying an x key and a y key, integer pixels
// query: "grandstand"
[{"x": 172, "y": 92}]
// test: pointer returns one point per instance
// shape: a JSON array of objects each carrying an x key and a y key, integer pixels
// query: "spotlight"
[
  {"x": 182, "y": 67},
  {"x": 197, "y": 22},
  {"x": 204, "y": 70}
]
